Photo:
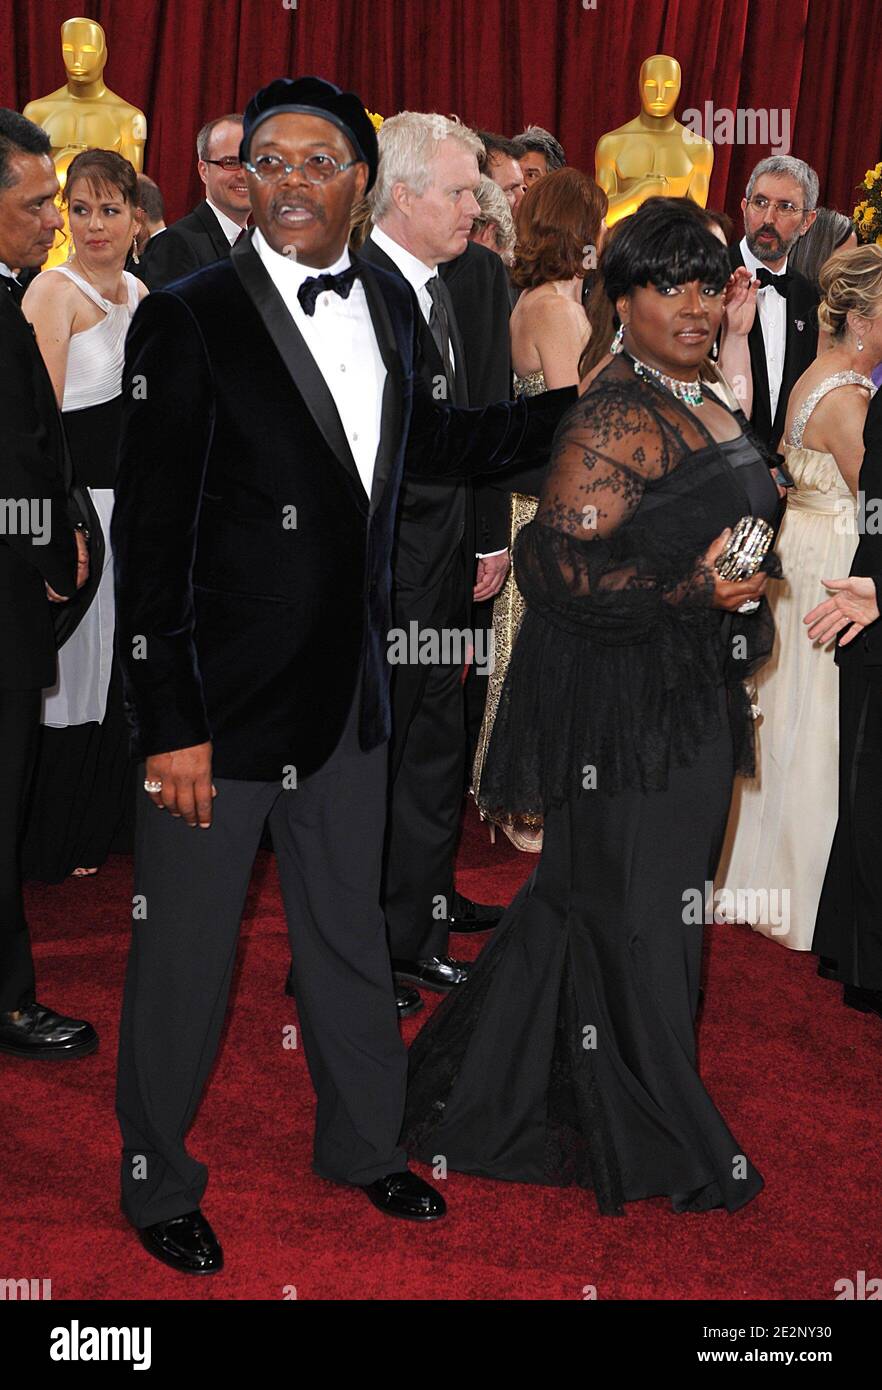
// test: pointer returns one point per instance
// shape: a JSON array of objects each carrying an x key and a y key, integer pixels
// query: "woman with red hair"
[{"x": 560, "y": 228}]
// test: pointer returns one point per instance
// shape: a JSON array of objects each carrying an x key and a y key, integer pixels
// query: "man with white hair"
[
  {"x": 494, "y": 226},
  {"x": 423, "y": 206},
  {"x": 779, "y": 207}
]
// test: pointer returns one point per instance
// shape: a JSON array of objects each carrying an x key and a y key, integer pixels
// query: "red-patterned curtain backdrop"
[{"x": 564, "y": 64}]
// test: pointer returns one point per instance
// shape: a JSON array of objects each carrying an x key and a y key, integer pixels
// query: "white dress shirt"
[
  {"x": 230, "y": 229},
  {"x": 418, "y": 274},
  {"x": 772, "y": 309},
  {"x": 340, "y": 335}
]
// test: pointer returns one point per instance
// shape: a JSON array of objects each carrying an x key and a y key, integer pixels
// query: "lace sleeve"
[
  {"x": 617, "y": 671},
  {"x": 584, "y": 555}
]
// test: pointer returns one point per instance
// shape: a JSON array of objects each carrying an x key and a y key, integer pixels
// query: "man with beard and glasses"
[{"x": 779, "y": 207}]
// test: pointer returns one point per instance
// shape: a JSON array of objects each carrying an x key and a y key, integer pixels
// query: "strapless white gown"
[{"x": 781, "y": 822}]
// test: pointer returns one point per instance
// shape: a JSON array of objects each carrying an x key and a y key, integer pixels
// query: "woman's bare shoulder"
[{"x": 49, "y": 285}]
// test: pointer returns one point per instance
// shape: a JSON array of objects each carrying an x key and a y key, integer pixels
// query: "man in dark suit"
[
  {"x": 42, "y": 561},
  {"x": 481, "y": 292},
  {"x": 258, "y": 484},
  {"x": 848, "y": 931},
  {"x": 151, "y": 209},
  {"x": 418, "y": 225},
  {"x": 779, "y": 207},
  {"x": 207, "y": 233}
]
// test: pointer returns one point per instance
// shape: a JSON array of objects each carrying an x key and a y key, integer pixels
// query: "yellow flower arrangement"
[
  {"x": 375, "y": 120},
  {"x": 867, "y": 216}
]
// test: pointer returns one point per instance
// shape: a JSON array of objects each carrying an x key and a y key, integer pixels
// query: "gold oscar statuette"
[{"x": 653, "y": 155}]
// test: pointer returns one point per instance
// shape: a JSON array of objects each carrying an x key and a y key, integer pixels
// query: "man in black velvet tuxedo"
[
  {"x": 779, "y": 207},
  {"x": 207, "y": 233},
  {"x": 270, "y": 404},
  {"x": 42, "y": 561},
  {"x": 423, "y": 208}
]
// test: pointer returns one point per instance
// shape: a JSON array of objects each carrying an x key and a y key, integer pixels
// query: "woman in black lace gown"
[{"x": 569, "y": 1055}]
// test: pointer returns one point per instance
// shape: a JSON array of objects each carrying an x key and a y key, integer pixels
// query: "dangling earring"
[
  {"x": 617, "y": 343},
  {"x": 135, "y": 256},
  {"x": 860, "y": 346}
]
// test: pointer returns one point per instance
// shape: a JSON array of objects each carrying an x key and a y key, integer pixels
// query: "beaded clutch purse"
[{"x": 745, "y": 550}]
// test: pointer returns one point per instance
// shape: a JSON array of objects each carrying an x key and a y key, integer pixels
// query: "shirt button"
[
  {"x": 342, "y": 366},
  {"x": 325, "y": 300},
  {"x": 354, "y": 438}
]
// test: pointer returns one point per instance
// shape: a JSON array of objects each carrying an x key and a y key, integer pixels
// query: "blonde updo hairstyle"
[{"x": 851, "y": 283}]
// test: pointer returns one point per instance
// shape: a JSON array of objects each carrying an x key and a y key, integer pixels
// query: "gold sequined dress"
[{"x": 508, "y": 611}]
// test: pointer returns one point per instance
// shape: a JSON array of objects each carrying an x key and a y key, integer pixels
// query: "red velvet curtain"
[{"x": 569, "y": 66}]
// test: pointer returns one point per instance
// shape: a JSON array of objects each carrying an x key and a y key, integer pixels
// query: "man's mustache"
[{"x": 315, "y": 209}]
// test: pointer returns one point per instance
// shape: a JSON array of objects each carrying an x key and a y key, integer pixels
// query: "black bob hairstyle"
[{"x": 665, "y": 242}]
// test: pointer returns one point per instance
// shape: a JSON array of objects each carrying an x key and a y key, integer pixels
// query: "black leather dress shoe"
[
  {"x": 441, "y": 973},
  {"x": 407, "y": 1001},
  {"x": 867, "y": 1001},
  {"x": 404, "y": 1194},
  {"x": 828, "y": 968},
  {"x": 40, "y": 1032},
  {"x": 466, "y": 916},
  {"x": 187, "y": 1243}
]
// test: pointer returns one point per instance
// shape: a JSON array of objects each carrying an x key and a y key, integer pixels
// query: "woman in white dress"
[
  {"x": 781, "y": 823},
  {"x": 81, "y": 311}
]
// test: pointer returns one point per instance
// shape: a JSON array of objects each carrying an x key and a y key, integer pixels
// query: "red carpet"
[{"x": 797, "y": 1076}]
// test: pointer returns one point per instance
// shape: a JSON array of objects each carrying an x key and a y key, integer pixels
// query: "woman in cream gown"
[{"x": 781, "y": 823}]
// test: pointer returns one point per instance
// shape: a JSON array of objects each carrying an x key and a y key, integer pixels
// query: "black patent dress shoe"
[
  {"x": 406, "y": 1195},
  {"x": 466, "y": 916},
  {"x": 40, "y": 1032},
  {"x": 441, "y": 973},
  {"x": 407, "y": 1001},
  {"x": 186, "y": 1243},
  {"x": 866, "y": 1001},
  {"x": 828, "y": 968}
]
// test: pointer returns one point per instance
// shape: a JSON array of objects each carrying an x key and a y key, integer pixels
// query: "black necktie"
[
  {"x": 316, "y": 284},
  {"x": 439, "y": 325},
  {"x": 780, "y": 282},
  {"x": 13, "y": 287}
]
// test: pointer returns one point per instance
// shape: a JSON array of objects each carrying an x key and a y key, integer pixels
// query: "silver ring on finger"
[
  {"x": 152, "y": 787},
  {"x": 750, "y": 605}
]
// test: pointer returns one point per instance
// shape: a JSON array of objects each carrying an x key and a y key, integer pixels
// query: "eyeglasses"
[
  {"x": 783, "y": 209},
  {"x": 229, "y": 162},
  {"x": 318, "y": 168}
]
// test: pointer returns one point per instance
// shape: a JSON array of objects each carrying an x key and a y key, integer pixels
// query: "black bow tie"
[
  {"x": 13, "y": 287},
  {"x": 316, "y": 284},
  {"x": 779, "y": 282}
]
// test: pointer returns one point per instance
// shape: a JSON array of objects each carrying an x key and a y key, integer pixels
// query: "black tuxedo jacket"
[
  {"x": 34, "y": 470},
  {"x": 479, "y": 287},
  {"x": 435, "y": 527},
  {"x": 800, "y": 351},
  {"x": 185, "y": 246},
  {"x": 253, "y": 572}
]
